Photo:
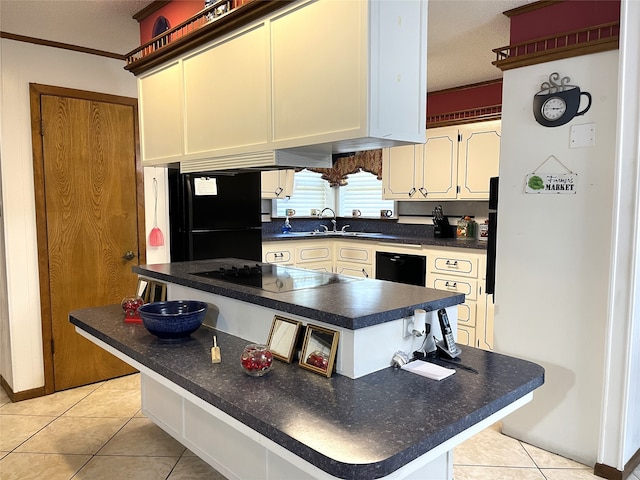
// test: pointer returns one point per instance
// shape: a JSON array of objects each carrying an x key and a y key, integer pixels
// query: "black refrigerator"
[
  {"x": 492, "y": 239},
  {"x": 214, "y": 216}
]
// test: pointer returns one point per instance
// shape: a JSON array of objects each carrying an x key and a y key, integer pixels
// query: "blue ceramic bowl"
[{"x": 173, "y": 320}]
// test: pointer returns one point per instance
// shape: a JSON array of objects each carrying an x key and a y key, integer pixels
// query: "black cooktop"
[{"x": 274, "y": 278}]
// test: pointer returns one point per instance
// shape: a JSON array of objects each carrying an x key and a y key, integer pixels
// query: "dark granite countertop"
[
  {"x": 375, "y": 237},
  {"x": 354, "y": 429},
  {"x": 354, "y": 304}
]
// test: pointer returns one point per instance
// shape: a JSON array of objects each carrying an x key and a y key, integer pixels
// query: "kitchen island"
[{"x": 293, "y": 423}]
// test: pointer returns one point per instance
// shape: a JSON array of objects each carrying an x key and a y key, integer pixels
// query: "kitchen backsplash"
[{"x": 372, "y": 225}]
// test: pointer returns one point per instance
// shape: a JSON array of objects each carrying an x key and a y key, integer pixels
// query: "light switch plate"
[{"x": 583, "y": 135}]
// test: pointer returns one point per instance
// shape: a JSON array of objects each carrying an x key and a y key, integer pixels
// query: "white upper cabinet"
[
  {"x": 277, "y": 183},
  {"x": 440, "y": 163},
  {"x": 455, "y": 163},
  {"x": 160, "y": 113},
  {"x": 228, "y": 108},
  {"x": 478, "y": 159},
  {"x": 401, "y": 172},
  {"x": 314, "y": 78}
]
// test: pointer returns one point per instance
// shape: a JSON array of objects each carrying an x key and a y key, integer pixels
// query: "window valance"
[{"x": 369, "y": 161}]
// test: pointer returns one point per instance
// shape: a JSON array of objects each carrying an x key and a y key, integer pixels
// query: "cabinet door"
[
  {"x": 399, "y": 172},
  {"x": 354, "y": 269},
  {"x": 278, "y": 252},
  {"x": 160, "y": 100},
  {"x": 478, "y": 159},
  {"x": 314, "y": 252},
  {"x": 277, "y": 183},
  {"x": 466, "y": 336},
  {"x": 439, "y": 172},
  {"x": 326, "y": 266},
  {"x": 228, "y": 106},
  {"x": 310, "y": 99},
  {"x": 354, "y": 253}
]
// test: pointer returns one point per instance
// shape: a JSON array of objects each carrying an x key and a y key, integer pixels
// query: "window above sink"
[{"x": 363, "y": 192}]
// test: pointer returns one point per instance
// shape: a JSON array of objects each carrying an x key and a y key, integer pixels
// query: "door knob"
[{"x": 129, "y": 255}]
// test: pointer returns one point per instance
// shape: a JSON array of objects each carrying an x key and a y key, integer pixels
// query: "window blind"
[
  {"x": 363, "y": 192},
  {"x": 309, "y": 192}
]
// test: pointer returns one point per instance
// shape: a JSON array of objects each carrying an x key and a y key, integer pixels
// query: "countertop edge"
[
  {"x": 246, "y": 294},
  {"x": 365, "y": 471},
  {"x": 399, "y": 239}
]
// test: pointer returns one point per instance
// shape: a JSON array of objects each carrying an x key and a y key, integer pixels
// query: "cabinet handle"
[
  {"x": 412, "y": 192},
  {"x": 452, "y": 285},
  {"x": 423, "y": 191},
  {"x": 452, "y": 264},
  {"x": 364, "y": 272},
  {"x": 278, "y": 191}
]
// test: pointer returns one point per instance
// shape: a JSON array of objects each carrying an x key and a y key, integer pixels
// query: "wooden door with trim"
[{"x": 90, "y": 221}]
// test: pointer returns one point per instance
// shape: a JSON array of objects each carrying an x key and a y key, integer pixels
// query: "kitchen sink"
[{"x": 333, "y": 234}]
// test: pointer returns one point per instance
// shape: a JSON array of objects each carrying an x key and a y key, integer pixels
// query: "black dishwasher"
[{"x": 401, "y": 268}]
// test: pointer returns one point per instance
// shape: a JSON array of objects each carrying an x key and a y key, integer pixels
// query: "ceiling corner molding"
[
  {"x": 530, "y": 7},
  {"x": 64, "y": 46}
]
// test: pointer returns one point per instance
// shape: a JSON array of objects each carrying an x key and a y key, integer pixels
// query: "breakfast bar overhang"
[{"x": 295, "y": 424}]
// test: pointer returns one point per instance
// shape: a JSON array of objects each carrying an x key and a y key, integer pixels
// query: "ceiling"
[{"x": 462, "y": 33}]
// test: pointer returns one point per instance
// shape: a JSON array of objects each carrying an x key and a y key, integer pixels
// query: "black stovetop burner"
[{"x": 273, "y": 278}]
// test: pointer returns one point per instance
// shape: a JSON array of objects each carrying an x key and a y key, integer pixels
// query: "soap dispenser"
[{"x": 286, "y": 228}]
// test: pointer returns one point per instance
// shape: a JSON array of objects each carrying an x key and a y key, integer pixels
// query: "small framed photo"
[
  {"x": 143, "y": 289},
  {"x": 319, "y": 349},
  {"x": 283, "y": 338},
  {"x": 157, "y": 292}
]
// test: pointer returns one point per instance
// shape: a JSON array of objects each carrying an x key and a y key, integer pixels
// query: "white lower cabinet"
[
  {"x": 354, "y": 259},
  {"x": 278, "y": 252},
  {"x": 354, "y": 269},
  {"x": 454, "y": 270},
  {"x": 457, "y": 271}
]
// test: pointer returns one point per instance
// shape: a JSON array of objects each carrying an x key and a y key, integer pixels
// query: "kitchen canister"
[{"x": 466, "y": 229}]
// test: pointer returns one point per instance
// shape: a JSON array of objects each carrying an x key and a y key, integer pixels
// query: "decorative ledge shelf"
[
  {"x": 208, "y": 24},
  {"x": 480, "y": 114},
  {"x": 598, "y": 38}
]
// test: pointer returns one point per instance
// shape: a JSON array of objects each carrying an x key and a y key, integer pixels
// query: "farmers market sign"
[{"x": 551, "y": 183}]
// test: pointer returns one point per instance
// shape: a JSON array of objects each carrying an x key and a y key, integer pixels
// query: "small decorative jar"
[
  {"x": 256, "y": 360},
  {"x": 130, "y": 307}
]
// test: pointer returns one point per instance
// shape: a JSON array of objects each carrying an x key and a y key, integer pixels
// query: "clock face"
[{"x": 554, "y": 108}]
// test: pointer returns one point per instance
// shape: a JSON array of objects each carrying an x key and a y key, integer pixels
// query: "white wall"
[
  {"x": 553, "y": 256},
  {"x": 21, "y": 362}
]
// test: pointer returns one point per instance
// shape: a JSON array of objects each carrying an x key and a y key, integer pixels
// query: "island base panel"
[
  {"x": 354, "y": 359},
  {"x": 204, "y": 430}
]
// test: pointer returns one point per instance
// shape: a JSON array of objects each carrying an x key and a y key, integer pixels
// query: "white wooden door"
[
  {"x": 479, "y": 158},
  {"x": 228, "y": 107},
  {"x": 160, "y": 104},
  {"x": 440, "y": 163},
  {"x": 310, "y": 99},
  {"x": 277, "y": 183},
  {"x": 399, "y": 172}
]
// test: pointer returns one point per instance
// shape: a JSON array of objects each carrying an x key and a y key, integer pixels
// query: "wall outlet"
[{"x": 407, "y": 327}]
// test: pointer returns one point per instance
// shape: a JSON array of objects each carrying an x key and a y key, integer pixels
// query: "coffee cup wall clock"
[{"x": 558, "y": 103}]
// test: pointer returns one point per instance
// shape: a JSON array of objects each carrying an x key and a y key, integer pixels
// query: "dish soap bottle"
[{"x": 286, "y": 228}]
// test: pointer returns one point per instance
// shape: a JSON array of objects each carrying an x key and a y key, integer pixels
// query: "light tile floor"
[{"x": 97, "y": 432}]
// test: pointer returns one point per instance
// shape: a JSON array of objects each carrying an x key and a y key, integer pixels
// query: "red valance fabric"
[{"x": 369, "y": 161}]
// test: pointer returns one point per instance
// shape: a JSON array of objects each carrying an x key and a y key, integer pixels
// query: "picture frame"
[
  {"x": 283, "y": 338},
  {"x": 157, "y": 292},
  {"x": 143, "y": 289},
  {"x": 319, "y": 349}
]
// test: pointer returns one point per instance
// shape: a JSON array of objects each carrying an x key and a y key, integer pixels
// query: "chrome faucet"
[{"x": 333, "y": 220}]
